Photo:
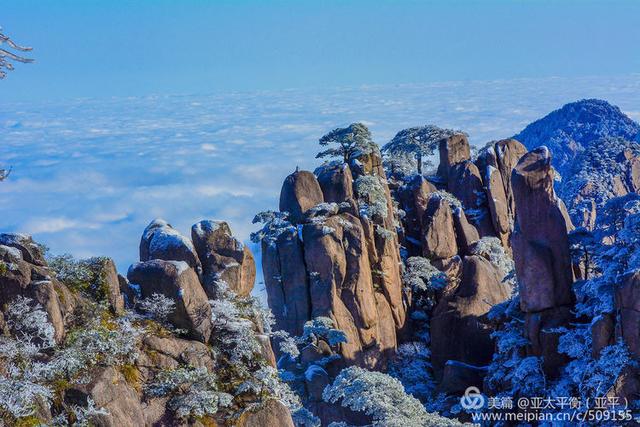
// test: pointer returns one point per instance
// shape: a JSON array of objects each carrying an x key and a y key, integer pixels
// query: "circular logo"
[{"x": 472, "y": 399}]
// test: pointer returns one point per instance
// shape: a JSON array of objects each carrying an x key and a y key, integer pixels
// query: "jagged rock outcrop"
[
  {"x": 541, "y": 254},
  {"x": 329, "y": 262},
  {"x": 627, "y": 302},
  {"x": 439, "y": 236},
  {"x": 286, "y": 281},
  {"x": 223, "y": 257},
  {"x": 495, "y": 162},
  {"x": 540, "y": 240},
  {"x": 413, "y": 197},
  {"x": 336, "y": 182},
  {"x": 465, "y": 183},
  {"x": 111, "y": 285}
]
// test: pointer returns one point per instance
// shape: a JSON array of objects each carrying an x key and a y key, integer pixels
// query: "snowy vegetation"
[
  {"x": 414, "y": 146},
  {"x": 37, "y": 368},
  {"x": 273, "y": 225},
  {"x": 381, "y": 397},
  {"x": 10, "y": 53},
  {"x": 371, "y": 196},
  {"x": 568, "y": 130},
  {"x": 193, "y": 391},
  {"x": 347, "y": 143}
]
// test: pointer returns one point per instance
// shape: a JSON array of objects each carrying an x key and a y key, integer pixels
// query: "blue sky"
[
  {"x": 89, "y": 48},
  {"x": 191, "y": 110}
]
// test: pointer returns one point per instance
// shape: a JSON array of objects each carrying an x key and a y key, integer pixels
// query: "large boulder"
[
  {"x": 460, "y": 330},
  {"x": 111, "y": 285},
  {"x": 161, "y": 241},
  {"x": 465, "y": 183},
  {"x": 109, "y": 390},
  {"x": 300, "y": 192},
  {"x": 178, "y": 281},
  {"x": 336, "y": 182},
  {"x": 540, "y": 241},
  {"x": 223, "y": 257}
]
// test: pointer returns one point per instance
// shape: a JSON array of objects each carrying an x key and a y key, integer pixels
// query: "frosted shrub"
[
  {"x": 412, "y": 367},
  {"x": 274, "y": 224},
  {"x": 323, "y": 328},
  {"x": 381, "y": 397},
  {"x": 20, "y": 387},
  {"x": 423, "y": 279},
  {"x": 99, "y": 344},
  {"x": 19, "y": 395},
  {"x": 371, "y": 196},
  {"x": 232, "y": 335},
  {"x": 491, "y": 249},
  {"x": 29, "y": 323},
  {"x": 193, "y": 392},
  {"x": 158, "y": 307},
  {"x": 85, "y": 275}
]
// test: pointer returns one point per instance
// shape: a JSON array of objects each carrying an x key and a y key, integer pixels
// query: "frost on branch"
[
  {"x": 29, "y": 324},
  {"x": 347, "y": 143},
  {"x": 382, "y": 398},
  {"x": 274, "y": 224},
  {"x": 158, "y": 307},
  {"x": 322, "y": 328},
  {"x": 491, "y": 249},
  {"x": 8, "y": 55},
  {"x": 371, "y": 196},
  {"x": 192, "y": 391},
  {"x": 419, "y": 143}
]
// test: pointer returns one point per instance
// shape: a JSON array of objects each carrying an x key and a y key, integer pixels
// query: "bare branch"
[{"x": 7, "y": 57}]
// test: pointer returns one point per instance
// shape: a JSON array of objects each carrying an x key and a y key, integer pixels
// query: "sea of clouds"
[{"x": 89, "y": 175}]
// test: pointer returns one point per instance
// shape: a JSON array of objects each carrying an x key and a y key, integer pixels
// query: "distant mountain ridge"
[
  {"x": 595, "y": 149},
  {"x": 569, "y": 130}
]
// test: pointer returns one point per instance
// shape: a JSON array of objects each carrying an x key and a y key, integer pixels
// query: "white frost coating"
[
  {"x": 490, "y": 170},
  {"x": 180, "y": 266},
  {"x": 14, "y": 252},
  {"x": 166, "y": 237},
  {"x": 212, "y": 226},
  {"x": 153, "y": 226}
]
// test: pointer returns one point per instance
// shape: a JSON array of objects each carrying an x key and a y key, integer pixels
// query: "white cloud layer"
[{"x": 88, "y": 175}]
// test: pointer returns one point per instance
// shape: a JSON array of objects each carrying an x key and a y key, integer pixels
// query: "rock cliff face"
[
  {"x": 338, "y": 257},
  {"x": 541, "y": 254}
]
